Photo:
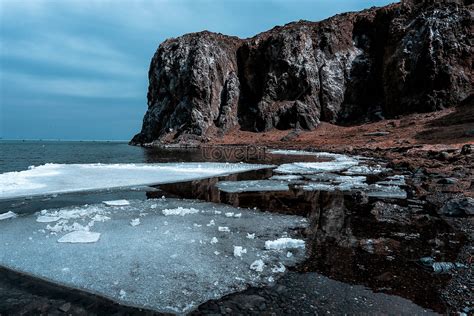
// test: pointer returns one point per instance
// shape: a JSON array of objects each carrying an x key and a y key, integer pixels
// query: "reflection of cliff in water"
[{"x": 353, "y": 238}]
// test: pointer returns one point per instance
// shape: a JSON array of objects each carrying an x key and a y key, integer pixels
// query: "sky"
[{"x": 77, "y": 69}]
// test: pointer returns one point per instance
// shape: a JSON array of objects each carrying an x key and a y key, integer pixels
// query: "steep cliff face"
[{"x": 403, "y": 58}]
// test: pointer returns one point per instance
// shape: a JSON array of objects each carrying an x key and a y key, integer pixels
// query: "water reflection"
[{"x": 352, "y": 237}]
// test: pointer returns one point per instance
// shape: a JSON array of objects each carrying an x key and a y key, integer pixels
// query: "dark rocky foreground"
[{"x": 408, "y": 57}]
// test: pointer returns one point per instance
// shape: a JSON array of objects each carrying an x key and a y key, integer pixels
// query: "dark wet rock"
[
  {"x": 458, "y": 207},
  {"x": 390, "y": 213},
  {"x": 442, "y": 156},
  {"x": 466, "y": 149},
  {"x": 441, "y": 267},
  {"x": 65, "y": 307},
  {"x": 354, "y": 67},
  {"x": 447, "y": 181}
]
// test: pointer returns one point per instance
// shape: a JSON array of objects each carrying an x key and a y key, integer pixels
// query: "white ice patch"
[
  {"x": 131, "y": 265},
  {"x": 179, "y": 211},
  {"x": 80, "y": 237},
  {"x": 7, "y": 215},
  {"x": 223, "y": 229},
  {"x": 63, "y": 178},
  {"x": 284, "y": 243},
  {"x": 117, "y": 203},
  {"x": 252, "y": 186}
]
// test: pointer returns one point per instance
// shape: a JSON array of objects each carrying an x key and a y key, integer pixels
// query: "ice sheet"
[
  {"x": 339, "y": 163},
  {"x": 167, "y": 263},
  {"x": 62, "y": 178}
]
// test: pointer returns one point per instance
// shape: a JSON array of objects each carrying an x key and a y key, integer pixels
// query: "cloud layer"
[{"x": 78, "y": 69}]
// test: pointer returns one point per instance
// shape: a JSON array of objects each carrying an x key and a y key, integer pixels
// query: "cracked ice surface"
[
  {"x": 65, "y": 178},
  {"x": 167, "y": 263}
]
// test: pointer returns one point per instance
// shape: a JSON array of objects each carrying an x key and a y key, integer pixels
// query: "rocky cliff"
[{"x": 408, "y": 57}]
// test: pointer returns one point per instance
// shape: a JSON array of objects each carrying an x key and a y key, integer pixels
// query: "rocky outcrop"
[{"x": 382, "y": 62}]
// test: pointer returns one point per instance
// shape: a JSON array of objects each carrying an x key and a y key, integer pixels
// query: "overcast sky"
[{"x": 77, "y": 69}]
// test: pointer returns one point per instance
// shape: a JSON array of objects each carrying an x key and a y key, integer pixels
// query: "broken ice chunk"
[
  {"x": 80, "y": 237},
  {"x": 214, "y": 240},
  {"x": 223, "y": 229},
  {"x": 239, "y": 250},
  {"x": 135, "y": 222},
  {"x": 250, "y": 236},
  {"x": 116, "y": 203},
  {"x": 7, "y": 215},
  {"x": 284, "y": 243},
  {"x": 179, "y": 211},
  {"x": 257, "y": 265}
]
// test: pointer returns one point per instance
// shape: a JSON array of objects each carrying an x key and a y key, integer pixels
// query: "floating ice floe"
[
  {"x": 80, "y": 237},
  {"x": 64, "y": 178},
  {"x": 116, "y": 203},
  {"x": 130, "y": 265},
  {"x": 7, "y": 215},
  {"x": 301, "y": 168},
  {"x": 365, "y": 170},
  {"x": 252, "y": 186},
  {"x": 286, "y": 177}
]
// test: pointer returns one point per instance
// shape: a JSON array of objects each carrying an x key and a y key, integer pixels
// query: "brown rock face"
[{"x": 354, "y": 67}]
